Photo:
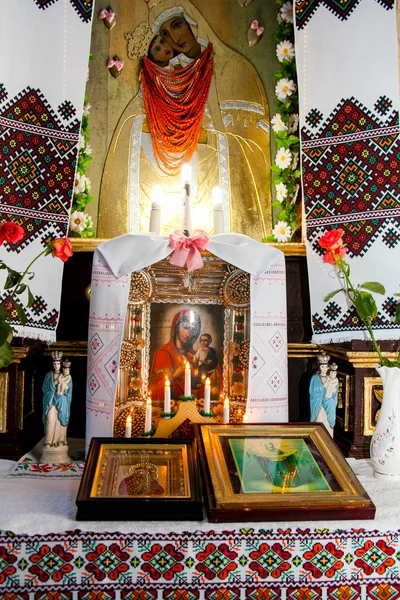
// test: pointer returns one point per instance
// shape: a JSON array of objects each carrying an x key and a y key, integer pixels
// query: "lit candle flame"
[
  {"x": 245, "y": 418},
  {"x": 148, "y": 401},
  {"x": 167, "y": 382},
  {"x": 208, "y": 382},
  {"x": 129, "y": 420},
  {"x": 226, "y": 401}
]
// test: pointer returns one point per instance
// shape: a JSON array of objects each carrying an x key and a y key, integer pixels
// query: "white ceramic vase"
[{"x": 385, "y": 442}]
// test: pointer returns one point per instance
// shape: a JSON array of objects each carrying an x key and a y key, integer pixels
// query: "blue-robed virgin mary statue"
[{"x": 57, "y": 396}]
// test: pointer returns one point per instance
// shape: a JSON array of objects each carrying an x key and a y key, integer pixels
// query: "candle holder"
[
  {"x": 204, "y": 414},
  {"x": 187, "y": 398},
  {"x": 148, "y": 433},
  {"x": 167, "y": 415}
]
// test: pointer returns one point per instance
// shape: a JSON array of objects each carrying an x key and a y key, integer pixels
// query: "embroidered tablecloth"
[{"x": 189, "y": 561}]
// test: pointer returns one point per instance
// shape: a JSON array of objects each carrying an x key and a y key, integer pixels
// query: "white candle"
[
  {"x": 225, "y": 416},
  {"x": 186, "y": 198},
  {"x": 218, "y": 213},
  {"x": 155, "y": 215},
  {"x": 207, "y": 396},
  {"x": 148, "y": 418},
  {"x": 188, "y": 380},
  {"x": 167, "y": 396},
  {"x": 128, "y": 427}
]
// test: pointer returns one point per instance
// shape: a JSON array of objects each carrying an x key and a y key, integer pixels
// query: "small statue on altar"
[
  {"x": 57, "y": 396},
  {"x": 324, "y": 387}
]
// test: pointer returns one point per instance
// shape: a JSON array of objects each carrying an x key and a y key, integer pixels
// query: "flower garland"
[
  {"x": 80, "y": 222},
  {"x": 285, "y": 127}
]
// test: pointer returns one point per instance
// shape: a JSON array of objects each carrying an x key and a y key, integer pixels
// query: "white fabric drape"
[
  {"x": 346, "y": 56},
  {"x": 45, "y": 52},
  {"x": 113, "y": 262}
]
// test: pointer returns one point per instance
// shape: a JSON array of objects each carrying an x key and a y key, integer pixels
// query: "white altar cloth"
[{"x": 48, "y": 506}]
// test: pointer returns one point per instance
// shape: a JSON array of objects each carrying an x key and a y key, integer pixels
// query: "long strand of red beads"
[{"x": 174, "y": 103}]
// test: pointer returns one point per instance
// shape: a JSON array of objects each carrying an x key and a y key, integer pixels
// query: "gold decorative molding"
[
  {"x": 303, "y": 350},
  {"x": 291, "y": 248},
  {"x": 3, "y": 401},
  {"x": 90, "y": 244},
  {"x": 85, "y": 244},
  {"x": 369, "y": 384},
  {"x": 68, "y": 348},
  {"x": 358, "y": 359},
  {"x": 21, "y": 352}
]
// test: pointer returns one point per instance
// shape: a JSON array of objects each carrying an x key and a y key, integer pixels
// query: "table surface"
[{"x": 41, "y": 506}]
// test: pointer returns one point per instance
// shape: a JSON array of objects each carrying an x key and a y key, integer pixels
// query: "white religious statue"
[
  {"x": 57, "y": 396},
  {"x": 324, "y": 393}
]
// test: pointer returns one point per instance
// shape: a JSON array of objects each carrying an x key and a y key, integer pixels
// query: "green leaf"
[
  {"x": 21, "y": 314},
  {"x": 276, "y": 204},
  {"x": 332, "y": 294},
  {"x": 21, "y": 288},
  {"x": 31, "y": 298},
  {"x": 365, "y": 306},
  {"x": 373, "y": 286},
  {"x": 5, "y": 331},
  {"x": 397, "y": 318},
  {"x": 385, "y": 362},
  {"x": 12, "y": 279},
  {"x": 269, "y": 239},
  {"x": 3, "y": 313},
  {"x": 6, "y": 355}
]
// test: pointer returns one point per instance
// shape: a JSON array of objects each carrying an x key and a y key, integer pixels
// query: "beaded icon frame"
[{"x": 218, "y": 291}]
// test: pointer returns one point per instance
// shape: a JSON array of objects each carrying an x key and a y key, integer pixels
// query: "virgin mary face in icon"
[
  {"x": 169, "y": 360},
  {"x": 180, "y": 36}
]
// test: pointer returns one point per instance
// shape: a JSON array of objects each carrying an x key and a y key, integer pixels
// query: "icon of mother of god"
[{"x": 231, "y": 151}]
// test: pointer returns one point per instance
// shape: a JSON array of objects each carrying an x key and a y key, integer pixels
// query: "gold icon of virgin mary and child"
[{"x": 141, "y": 481}]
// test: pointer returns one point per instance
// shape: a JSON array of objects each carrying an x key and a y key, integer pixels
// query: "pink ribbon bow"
[
  {"x": 186, "y": 249},
  {"x": 108, "y": 15},
  {"x": 257, "y": 27},
  {"x": 118, "y": 64}
]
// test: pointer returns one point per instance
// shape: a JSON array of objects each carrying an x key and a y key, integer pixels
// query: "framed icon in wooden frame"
[
  {"x": 140, "y": 479},
  {"x": 277, "y": 472}
]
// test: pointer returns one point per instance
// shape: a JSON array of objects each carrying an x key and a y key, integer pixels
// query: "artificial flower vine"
[
  {"x": 285, "y": 127},
  {"x": 80, "y": 222}
]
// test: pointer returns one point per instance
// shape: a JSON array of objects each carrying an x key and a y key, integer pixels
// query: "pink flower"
[
  {"x": 61, "y": 248},
  {"x": 333, "y": 255}
]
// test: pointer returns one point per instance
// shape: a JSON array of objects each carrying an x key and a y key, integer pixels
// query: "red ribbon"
[
  {"x": 186, "y": 249},
  {"x": 108, "y": 15},
  {"x": 118, "y": 64}
]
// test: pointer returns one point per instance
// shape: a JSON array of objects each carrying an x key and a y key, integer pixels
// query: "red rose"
[
  {"x": 333, "y": 256},
  {"x": 10, "y": 232},
  {"x": 61, "y": 248},
  {"x": 331, "y": 239}
]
